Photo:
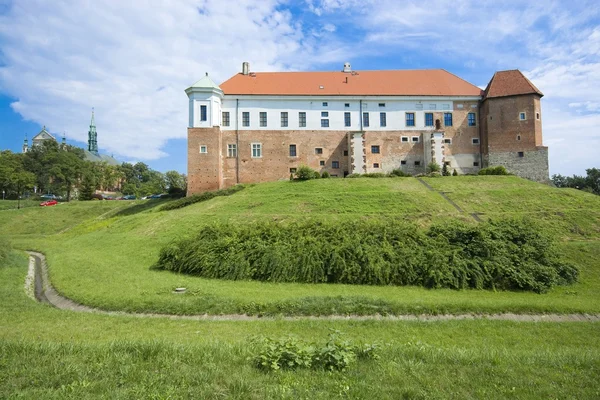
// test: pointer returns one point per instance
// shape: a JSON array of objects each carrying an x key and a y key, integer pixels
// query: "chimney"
[
  {"x": 347, "y": 67},
  {"x": 245, "y": 68}
]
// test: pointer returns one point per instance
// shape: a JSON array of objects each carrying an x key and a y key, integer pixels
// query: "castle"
[{"x": 261, "y": 126}]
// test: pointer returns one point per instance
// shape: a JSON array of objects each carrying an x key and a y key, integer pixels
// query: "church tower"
[
  {"x": 25, "y": 145},
  {"x": 93, "y": 137}
]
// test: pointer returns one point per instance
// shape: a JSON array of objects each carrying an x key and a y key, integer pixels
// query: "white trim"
[
  {"x": 203, "y": 149},
  {"x": 475, "y": 140},
  {"x": 412, "y": 139}
]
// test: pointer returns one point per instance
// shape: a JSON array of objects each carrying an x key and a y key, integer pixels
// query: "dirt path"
[{"x": 45, "y": 293}]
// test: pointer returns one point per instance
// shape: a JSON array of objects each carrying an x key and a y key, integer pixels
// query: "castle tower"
[
  {"x": 93, "y": 137},
  {"x": 25, "y": 145},
  {"x": 511, "y": 126},
  {"x": 63, "y": 144}
]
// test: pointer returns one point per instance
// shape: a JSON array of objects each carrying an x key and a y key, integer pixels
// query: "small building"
[{"x": 261, "y": 126}]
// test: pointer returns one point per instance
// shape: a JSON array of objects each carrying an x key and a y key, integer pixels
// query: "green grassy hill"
[{"x": 100, "y": 253}]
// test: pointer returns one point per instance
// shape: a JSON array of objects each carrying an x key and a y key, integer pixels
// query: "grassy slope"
[
  {"x": 48, "y": 353},
  {"x": 105, "y": 262}
]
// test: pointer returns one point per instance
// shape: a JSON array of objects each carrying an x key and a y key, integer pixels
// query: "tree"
[
  {"x": 445, "y": 171},
  {"x": 176, "y": 183},
  {"x": 65, "y": 171},
  {"x": 14, "y": 179},
  {"x": 592, "y": 179}
]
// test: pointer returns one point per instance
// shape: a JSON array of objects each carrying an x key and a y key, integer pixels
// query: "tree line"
[
  {"x": 589, "y": 183},
  {"x": 63, "y": 171}
]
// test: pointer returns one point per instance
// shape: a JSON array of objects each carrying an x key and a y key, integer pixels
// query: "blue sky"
[{"x": 132, "y": 62}]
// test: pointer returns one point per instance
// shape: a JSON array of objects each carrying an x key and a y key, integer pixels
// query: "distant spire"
[
  {"x": 93, "y": 136},
  {"x": 64, "y": 140},
  {"x": 25, "y": 145}
]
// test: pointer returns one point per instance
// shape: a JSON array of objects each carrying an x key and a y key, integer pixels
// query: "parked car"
[
  {"x": 49, "y": 197},
  {"x": 48, "y": 203},
  {"x": 129, "y": 197}
]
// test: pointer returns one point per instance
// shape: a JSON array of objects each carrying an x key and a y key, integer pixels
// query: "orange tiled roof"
[
  {"x": 435, "y": 82},
  {"x": 510, "y": 83}
]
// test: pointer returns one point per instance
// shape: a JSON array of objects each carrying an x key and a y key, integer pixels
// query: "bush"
[
  {"x": 398, "y": 172},
  {"x": 305, "y": 173},
  {"x": 504, "y": 255},
  {"x": 454, "y": 173},
  {"x": 291, "y": 353},
  {"x": 433, "y": 167},
  {"x": 445, "y": 171},
  {"x": 325, "y": 175},
  {"x": 499, "y": 170},
  {"x": 197, "y": 198},
  {"x": 368, "y": 175}
]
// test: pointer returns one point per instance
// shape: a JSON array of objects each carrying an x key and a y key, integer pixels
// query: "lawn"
[{"x": 53, "y": 354}]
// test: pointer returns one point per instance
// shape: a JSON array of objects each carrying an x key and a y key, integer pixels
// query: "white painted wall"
[
  {"x": 213, "y": 110},
  {"x": 395, "y": 109}
]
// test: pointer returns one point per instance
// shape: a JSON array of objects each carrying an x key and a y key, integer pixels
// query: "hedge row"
[
  {"x": 506, "y": 255},
  {"x": 197, "y": 198}
]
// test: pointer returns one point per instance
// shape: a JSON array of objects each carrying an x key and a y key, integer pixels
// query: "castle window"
[
  {"x": 475, "y": 140},
  {"x": 324, "y": 123},
  {"x": 537, "y": 115},
  {"x": 318, "y": 150},
  {"x": 325, "y": 104},
  {"x": 404, "y": 139},
  {"x": 518, "y": 137},
  {"x": 347, "y": 120},
  {"x": 284, "y": 119},
  {"x": 292, "y": 150},
  {"x": 203, "y": 113},
  {"x": 366, "y": 119},
  {"x": 322, "y": 163},
  {"x": 292, "y": 170},
  {"x": 245, "y": 118},
  {"x": 263, "y": 119},
  {"x": 324, "y": 114},
  {"x": 415, "y": 139},
  {"x": 231, "y": 150},
  {"x": 346, "y": 153},
  {"x": 476, "y": 163},
  {"x": 375, "y": 149},
  {"x": 346, "y": 105},
  {"x": 382, "y": 119},
  {"x": 521, "y": 154},
  {"x": 447, "y": 119},
  {"x": 256, "y": 150},
  {"x": 471, "y": 119},
  {"x": 302, "y": 119},
  {"x": 428, "y": 119},
  {"x": 522, "y": 116},
  {"x": 375, "y": 165},
  {"x": 381, "y": 104},
  {"x": 417, "y": 163},
  {"x": 403, "y": 162},
  {"x": 225, "y": 116},
  {"x": 448, "y": 141},
  {"x": 203, "y": 149},
  {"x": 410, "y": 119},
  {"x": 335, "y": 164}
]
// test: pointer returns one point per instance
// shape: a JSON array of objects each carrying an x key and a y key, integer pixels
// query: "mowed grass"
[
  {"x": 104, "y": 261},
  {"x": 54, "y": 354}
]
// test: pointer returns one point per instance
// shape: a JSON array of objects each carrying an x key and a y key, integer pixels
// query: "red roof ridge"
[{"x": 510, "y": 82}]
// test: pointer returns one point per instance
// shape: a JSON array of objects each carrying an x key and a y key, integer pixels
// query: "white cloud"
[{"x": 132, "y": 62}]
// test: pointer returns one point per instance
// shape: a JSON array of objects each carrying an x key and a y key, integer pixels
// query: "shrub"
[
  {"x": 368, "y": 175},
  {"x": 504, "y": 255},
  {"x": 498, "y": 170},
  {"x": 325, "y": 175},
  {"x": 433, "y": 167},
  {"x": 454, "y": 173},
  {"x": 196, "y": 198},
  {"x": 445, "y": 171},
  {"x": 305, "y": 173},
  {"x": 398, "y": 172}
]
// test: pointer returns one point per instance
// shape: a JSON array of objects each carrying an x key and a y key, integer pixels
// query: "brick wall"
[{"x": 205, "y": 171}]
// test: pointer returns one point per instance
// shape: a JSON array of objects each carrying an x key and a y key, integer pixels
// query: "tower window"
[
  {"x": 263, "y": 118},
  {"x": 471, "y": 119},
  {"x": 225, "y": 116},
  {"x": 382, "y": 119},
  {"x": 522, "y": 116},
  {"x": 203, "y": 149},
  {"x": 447, "y": 119},
  {"x": 365, "y": 119},
  {"x": 202, "y": 113},
  {"x": 302, "y": 119},
  {"x": 410, "y": 119},
  {"x": 347, "y": 119},
  {"x": 537, "y": 115},
  {"x": 245, "y": 118},
  {"x": 519, "y": 137},
  {"x": 284, "y": 119}
]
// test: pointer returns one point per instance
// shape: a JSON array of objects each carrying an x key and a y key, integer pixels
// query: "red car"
[{"x": 49, "y": 203}]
